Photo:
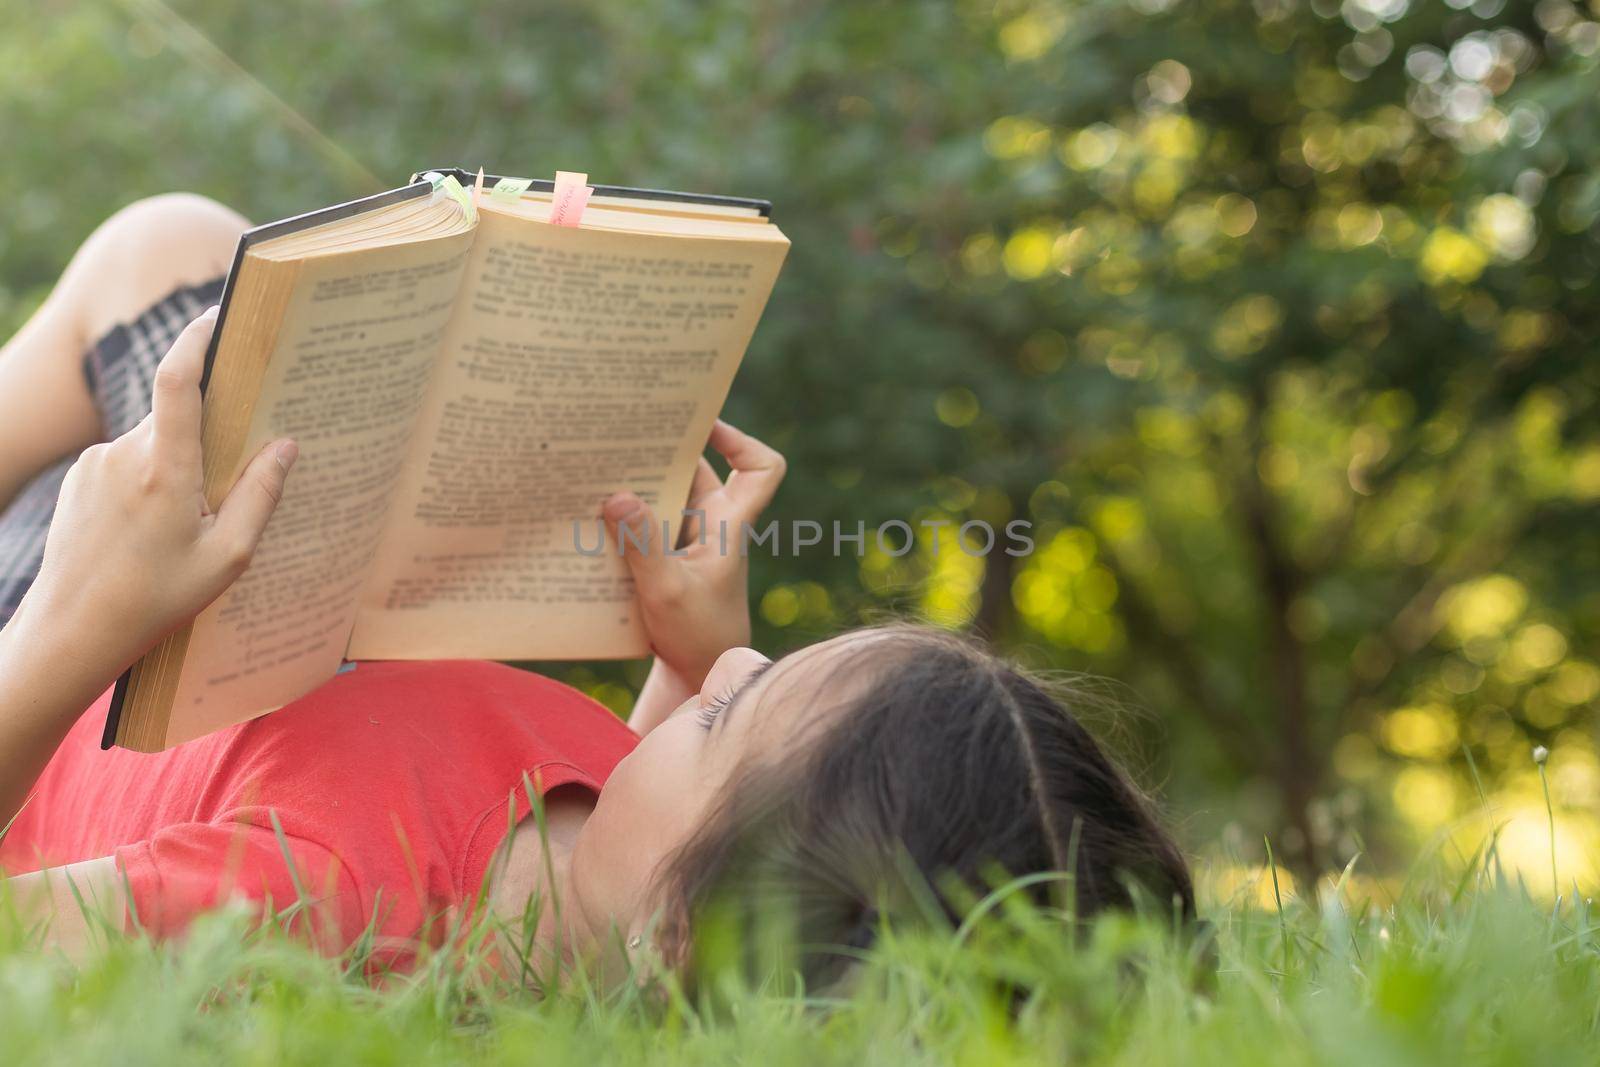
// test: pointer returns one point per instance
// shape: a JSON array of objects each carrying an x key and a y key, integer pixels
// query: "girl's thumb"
[{"x": 633, "y": 528}]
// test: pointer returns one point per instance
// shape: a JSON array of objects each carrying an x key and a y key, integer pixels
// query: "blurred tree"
[{"x": 1275, "y": 318}]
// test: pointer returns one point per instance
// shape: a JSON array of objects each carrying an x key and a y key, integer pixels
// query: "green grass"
[{"x": 1460, "y": 970}]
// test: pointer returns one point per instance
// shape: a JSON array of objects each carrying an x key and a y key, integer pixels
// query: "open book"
[{"x": 466, "y": 383}]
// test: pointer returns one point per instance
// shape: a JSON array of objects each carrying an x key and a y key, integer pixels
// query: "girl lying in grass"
[{"x": 830, "y": 787}]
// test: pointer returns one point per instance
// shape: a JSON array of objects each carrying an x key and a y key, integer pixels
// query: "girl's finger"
[
  {"x": 757, "y": 472},
  {"x": 175, "y": 398},
  {"x": 633, "y": 528},
  {"x": 705, "y": 483},
  {"x": 250, "y": 503}
]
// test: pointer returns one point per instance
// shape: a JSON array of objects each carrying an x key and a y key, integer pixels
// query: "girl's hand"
[
  {"x": 134, "y": 551},
  {"x": 696, "y": 605}
]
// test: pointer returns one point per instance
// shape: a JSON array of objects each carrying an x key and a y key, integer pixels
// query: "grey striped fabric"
[{"x": 119, "y": 370}]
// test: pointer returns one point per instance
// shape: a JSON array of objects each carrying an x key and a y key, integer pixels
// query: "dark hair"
[{"x": 949, "y": 759}]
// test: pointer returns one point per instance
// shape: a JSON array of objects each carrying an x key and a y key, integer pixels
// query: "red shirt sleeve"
[{"x": 189, "y": 868}]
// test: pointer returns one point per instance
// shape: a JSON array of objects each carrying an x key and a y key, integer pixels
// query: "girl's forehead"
[{"x": 809, "y": 685}]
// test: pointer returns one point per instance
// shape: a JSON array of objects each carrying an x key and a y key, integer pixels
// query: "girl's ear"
[
  {"x": 660, "y": 946},
  {"x": 672, "y": 938}
]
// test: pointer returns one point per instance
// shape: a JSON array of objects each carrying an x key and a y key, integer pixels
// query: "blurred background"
[{"x": 1277, "y": 319}]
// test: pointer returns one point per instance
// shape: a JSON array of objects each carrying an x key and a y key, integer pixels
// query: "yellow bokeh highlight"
[
  {"x": 1119, "y": 518},
  {"x": 1523, "y": 848},
  {"x": 1168, "y": 430},
  {"x": 1575, "y": 682},
  {"x": 980, "y": 254},
  {"x": 780, "y": 605},
  {"x": 1157, "y": 186},
  {"x": 1236, "y": 215},
  {"x": 1030, "y": 252},
  {"x": 957, "y": 407},
  {"x": 1246, "y": 326},
  {"x": 1448, "y": 255},
  {"x": 1483, "y": 607},
  {"x": 1091, "y": 147},
  {"x": 1537, "y": 647},
  {"x": 1118, "y": 274},
  {"x": 1425, "y": 796},
  {"x": 1523, "y": 330},
  {"x": 799, "y": 602},
  {"x": 1171, "y": 136},
  {"x": 1065, "y": 594},
  {"x": 1252, "y": 886},
  {"x": 1424, "y": 732},
  {"x": 1193, "y": 224},
  {"x": 1584, "y": 475},
  {"x": 618, "y": 698},
  {"x": 1016, "y": 136},
  {"x": 1575, "y": 773},
  {"x": 882, "y": 572},
  {"x": 1031, "y": 34},
  {"x": 954, "y": 581},
  {"x": 1516, "y": 822},
  {"x": 1358, "y": 224}
]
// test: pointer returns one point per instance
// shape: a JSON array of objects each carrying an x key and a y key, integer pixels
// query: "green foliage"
[{"x": 1277, "y": 319}]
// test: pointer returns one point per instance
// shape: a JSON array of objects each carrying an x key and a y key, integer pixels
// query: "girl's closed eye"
[{"x": 707, "y": 715}]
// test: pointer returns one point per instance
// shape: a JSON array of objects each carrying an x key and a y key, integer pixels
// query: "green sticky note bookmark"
[
  {"x": 454, "y": 190},
  {"x": 509, "y": 190}
]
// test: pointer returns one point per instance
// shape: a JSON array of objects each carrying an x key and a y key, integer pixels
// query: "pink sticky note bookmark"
[{"x": 570, "y": 197}]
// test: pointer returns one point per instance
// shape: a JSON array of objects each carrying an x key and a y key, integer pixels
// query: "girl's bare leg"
[{"x": 132, "y": 260}]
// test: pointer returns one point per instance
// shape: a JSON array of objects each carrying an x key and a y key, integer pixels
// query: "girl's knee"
[
  {"x": 180, "y": 232},
  {"x": 148, "y": 249}
]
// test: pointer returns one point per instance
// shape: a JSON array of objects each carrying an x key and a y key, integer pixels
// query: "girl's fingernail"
[{"x": 288, "y": 452}]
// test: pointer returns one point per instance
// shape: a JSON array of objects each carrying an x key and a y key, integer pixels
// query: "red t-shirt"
[{"x": 390, "y": 786}]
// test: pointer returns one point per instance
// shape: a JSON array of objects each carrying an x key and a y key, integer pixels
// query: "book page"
[
  {"x": 580, "y": 362},
  {"x": 346, "y": 380}
]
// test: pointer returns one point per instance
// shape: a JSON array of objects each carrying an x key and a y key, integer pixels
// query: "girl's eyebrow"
[{"x": 749, "y": 680}]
